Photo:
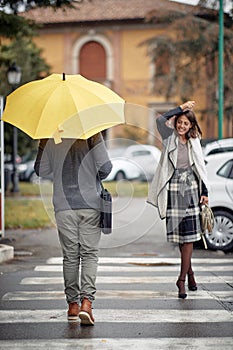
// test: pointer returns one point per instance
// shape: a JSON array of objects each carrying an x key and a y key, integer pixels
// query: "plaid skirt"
[{"x": 183, "y": 209}]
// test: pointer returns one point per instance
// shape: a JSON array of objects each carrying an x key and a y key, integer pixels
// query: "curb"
[{"x": 6, "y": 252}]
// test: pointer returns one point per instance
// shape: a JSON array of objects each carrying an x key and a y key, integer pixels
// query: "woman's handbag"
[
  {"x": 207, "y": 221},
  {"x": 207, "y": 218}
]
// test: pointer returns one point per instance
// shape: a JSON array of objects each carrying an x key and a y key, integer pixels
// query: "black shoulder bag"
[{"x": 105, "y": 204}]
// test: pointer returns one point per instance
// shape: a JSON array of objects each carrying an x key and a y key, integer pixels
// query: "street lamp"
[{"x": 14, "y": 77}]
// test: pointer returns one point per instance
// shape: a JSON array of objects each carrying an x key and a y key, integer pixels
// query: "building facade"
[{"x": 104, "y": 40}]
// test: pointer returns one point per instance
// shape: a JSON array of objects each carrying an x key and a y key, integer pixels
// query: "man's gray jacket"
[{"x": 73, "y": 167}]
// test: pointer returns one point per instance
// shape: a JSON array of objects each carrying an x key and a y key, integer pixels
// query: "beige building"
[{"x": 103, "y": 41}]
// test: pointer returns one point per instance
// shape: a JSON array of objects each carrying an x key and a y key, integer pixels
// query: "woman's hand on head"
[{"x": 187, "y": 105}]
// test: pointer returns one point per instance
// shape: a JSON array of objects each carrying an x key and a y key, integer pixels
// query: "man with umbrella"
[
  {"x": 67, "y": 113},
  {"x": 73, "y": 167}
]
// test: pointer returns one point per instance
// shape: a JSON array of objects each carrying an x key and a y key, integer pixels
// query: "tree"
[
  {"x": 17, "y": 5},
  {"x": 12, "y": 24},
  {"x": 192, "y": 53},
  {"x": 23, "y": 51}
]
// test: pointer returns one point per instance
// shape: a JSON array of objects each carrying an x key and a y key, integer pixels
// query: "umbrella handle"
[{"x": 57, "y": 135}]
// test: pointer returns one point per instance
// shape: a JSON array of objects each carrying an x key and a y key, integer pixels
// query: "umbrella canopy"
[{"x": 67, "y": 106}]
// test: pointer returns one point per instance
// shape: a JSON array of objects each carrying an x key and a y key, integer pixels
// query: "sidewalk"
[
  {"x": 6, "y": 252},
  {"x": 31, "y": 242}
]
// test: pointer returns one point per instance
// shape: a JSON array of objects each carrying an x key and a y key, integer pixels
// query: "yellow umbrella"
[{"x": 68, "y": 106}]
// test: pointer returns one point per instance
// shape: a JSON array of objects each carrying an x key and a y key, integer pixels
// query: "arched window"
[
  {"x": 92, "y": 57},
  {"x": 92, "y": 61}
]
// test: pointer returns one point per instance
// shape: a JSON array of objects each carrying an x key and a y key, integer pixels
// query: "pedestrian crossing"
[{"x": 136, "y": 307}]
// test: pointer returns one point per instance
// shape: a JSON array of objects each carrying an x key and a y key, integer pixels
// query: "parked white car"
[
  {"x": 26, "y": 167},
  {"x": 220, "y": 175},
  {"x": 134, "y": 162},
  {"x": 219, "y": 146}
]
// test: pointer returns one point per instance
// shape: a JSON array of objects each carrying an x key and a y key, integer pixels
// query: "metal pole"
[
  {"x": 15, "y": 177},
  {"x": 220, "y": 70},
  {"x": 2, "y": 190},
  {"x": 14, "y": 77}
]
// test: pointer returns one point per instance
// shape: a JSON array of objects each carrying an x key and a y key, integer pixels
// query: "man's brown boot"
[
  {"x": 72, "y": 313},
  {"x": 85, "y": 313}
]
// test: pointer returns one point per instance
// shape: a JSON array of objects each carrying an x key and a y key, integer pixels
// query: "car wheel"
[
  {"x": 221, "y": 238},
  {"x": 120, "y": 176}
]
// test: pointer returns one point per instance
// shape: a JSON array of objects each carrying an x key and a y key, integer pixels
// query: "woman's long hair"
[{"x": 195, "y": 130}]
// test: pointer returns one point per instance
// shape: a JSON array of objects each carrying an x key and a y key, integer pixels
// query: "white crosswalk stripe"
[
  {"x": 112, "y": 294},
  {"x": 122, "y": 344},
  {"x": 127, "y": 280},
  {"x": 103, "y": 268},
  {"x": 120, "y": 315},
  {"x": 149, "y": 261}
]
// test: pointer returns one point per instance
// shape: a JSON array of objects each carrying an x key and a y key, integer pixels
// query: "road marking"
[
  {"x": 126, "y": 279},
  {"x": 131, "y": 316},
  {"x": 119, "y": 260},
  {"x": 120, "y": 316},
  {"x": 120, "y": 344},
  {"x": 145, "y": 294},
  {"x": 119, "y": 294},
  {"x": 131, "y": 268}
]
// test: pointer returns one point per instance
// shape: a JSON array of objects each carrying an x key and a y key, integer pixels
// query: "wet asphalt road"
[{"x": 136, "y": 304}]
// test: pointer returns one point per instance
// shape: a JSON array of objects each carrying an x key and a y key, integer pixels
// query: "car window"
[
  {"x": 231, "y": 172},
  {"x": 221, "y": 150},
  {"x": 226, "y": 170},
  {"x": 140, "y": 153}
]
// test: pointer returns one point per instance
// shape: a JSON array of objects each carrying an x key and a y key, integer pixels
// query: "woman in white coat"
[{"x": 180, "y": 185}]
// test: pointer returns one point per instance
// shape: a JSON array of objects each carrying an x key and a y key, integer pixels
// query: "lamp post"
[
  {"x": 14, "y": 77},
  {"x": 220, "y": 70}
]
